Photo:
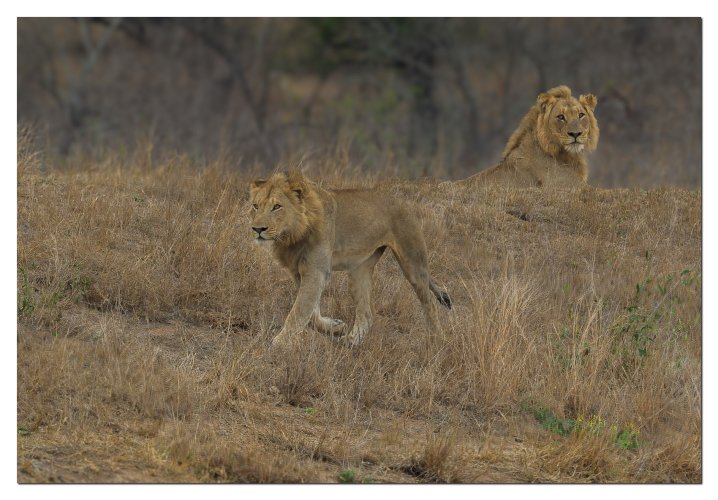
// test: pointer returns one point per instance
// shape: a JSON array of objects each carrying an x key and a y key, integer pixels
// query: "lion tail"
[{"x": 440, "y": 295}]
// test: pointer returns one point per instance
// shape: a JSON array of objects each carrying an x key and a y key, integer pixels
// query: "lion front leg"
[{"x": 307, "y": 301}]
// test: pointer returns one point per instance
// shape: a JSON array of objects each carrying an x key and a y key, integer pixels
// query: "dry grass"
[{"x": 145, "y": 314}]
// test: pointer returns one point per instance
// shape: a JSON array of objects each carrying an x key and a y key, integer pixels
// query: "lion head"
[
  {"x": 560, "y": 122},
  {"x": 284, "y": 208},
  {"x": 566, "y": 123}
]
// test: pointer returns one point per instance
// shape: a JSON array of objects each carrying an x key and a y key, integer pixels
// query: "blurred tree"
[
  {"x": 410, "y": 46},
  {"x": 70, "y": 96},
  {"x": 226, "y": 40}
]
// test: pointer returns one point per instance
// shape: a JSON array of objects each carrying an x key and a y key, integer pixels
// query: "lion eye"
[
  {"x": 581, "y": 115},
  {"x": 255, "y": 206},
  {"x": 276, "y": 207},
  {"x": 561, "y": 117}
]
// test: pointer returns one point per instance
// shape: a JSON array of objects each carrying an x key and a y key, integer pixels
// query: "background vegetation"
[{"x": 419, "y": 96}]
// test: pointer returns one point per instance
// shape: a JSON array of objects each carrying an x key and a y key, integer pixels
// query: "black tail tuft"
[{"x": 445, "y": 300}]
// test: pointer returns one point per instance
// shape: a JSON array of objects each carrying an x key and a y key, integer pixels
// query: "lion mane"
[
  {"x": 549, "y": 146},
  {"x": 313, "y": 231}
]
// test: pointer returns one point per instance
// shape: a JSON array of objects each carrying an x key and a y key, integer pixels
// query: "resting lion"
[
  {"x": 548, "y": 148},
  {"x": 314, "y": 231}
]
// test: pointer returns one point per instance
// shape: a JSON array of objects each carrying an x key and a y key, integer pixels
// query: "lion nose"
[
  {"x": 574, "y": 134},
  {"x": 259, "y": 230}
]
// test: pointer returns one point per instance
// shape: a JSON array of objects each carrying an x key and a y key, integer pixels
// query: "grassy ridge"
[{"x": 145, "y": 312}]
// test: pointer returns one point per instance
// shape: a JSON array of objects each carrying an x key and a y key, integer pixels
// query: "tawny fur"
[
  {"x": 540, "y": 151},
  {"x": 313, "y": 231}
]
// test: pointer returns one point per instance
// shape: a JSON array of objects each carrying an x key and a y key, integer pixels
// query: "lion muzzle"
[{"x": 259, "y": 231}]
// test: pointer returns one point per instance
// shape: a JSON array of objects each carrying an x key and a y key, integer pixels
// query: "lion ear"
[
  {"x": 545, "y": 99},
  {"x": 299, "y": 190},
  {"x": 297, "y": 183},
  {"x": 258, "y": 182},
  {"x": 588, "y": 100}
]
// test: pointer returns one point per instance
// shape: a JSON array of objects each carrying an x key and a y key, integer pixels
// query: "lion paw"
[
  {"x": 354, "y": 339},
  {"x": 330, "y": 326},
  {"x": 282, "y": 341}
]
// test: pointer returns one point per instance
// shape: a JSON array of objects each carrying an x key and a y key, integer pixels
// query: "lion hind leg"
[
  {"x": 413, "y": 263},
  {"x": 360, "y": 286}
]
